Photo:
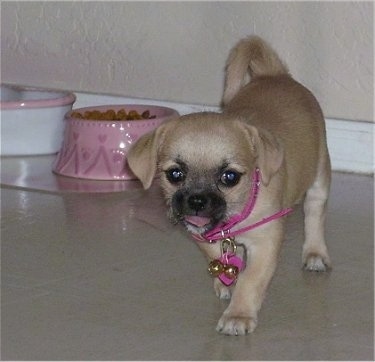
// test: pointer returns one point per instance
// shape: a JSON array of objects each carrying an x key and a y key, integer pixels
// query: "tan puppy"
[{"x": 207, "y": 162}]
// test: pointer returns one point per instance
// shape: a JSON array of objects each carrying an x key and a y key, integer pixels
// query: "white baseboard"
[{"x": 350, "y": 143}]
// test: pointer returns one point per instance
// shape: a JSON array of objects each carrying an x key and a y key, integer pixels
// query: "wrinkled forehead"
[
  {"x": 199, "y": 152},
  {"x": 206, "y": 143}
]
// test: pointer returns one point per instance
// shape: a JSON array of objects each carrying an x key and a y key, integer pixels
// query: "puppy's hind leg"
[{"x": 315, "y": 254}]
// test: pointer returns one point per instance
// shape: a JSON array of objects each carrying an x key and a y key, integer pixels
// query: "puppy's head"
[{"x": 205, "y": 162}]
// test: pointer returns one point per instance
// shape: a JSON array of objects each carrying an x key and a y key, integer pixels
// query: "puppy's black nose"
[{"x": 197, "y": 202}]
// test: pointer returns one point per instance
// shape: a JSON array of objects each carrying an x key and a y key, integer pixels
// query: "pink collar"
[{"x": 223, "y": 231}]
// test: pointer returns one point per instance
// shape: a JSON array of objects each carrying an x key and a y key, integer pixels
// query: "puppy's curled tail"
[{"x": 252, "y": 56}]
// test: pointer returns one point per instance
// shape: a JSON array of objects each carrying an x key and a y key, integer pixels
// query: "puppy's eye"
[
  {"x": 175, "y": 175},
  {"x": 230, "y": 178}
]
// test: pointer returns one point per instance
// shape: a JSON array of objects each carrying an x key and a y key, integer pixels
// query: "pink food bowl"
[{"x": 96, "y": 149}]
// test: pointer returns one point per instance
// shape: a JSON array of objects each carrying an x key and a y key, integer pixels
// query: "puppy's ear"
[
  {"x": 268, "y": 151},
  {"x": 142, "y": 156}
]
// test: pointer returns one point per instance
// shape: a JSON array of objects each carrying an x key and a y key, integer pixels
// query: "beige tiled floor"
[{"x": 106, "y": 277}]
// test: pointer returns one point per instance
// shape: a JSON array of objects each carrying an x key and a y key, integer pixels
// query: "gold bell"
[
  {"x": 231, "y": 271},
  {"x": 215, "y": 268}
]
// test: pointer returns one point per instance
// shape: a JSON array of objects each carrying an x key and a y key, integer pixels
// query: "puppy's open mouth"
[
  {"x": 198, "y": 211},
  {"x": 197, "y": 221}
]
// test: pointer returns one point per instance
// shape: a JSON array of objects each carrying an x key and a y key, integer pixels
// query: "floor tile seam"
[
  {"x": 72, "y": 297},
  {"x": 46, "y": 284},
  {"x": 33, "y": 283},
  {"x": 21, "y": 287},
  {"x": 25, "y": 299},
  {"x": 160, "y": 356},
  {"x": 73, "y": 282},
  {"x": 74, "y": 292}
]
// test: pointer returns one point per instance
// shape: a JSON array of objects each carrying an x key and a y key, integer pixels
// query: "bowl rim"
[
  {"x": 169, "y": 112},
  {"x": 62, "y": 98}
]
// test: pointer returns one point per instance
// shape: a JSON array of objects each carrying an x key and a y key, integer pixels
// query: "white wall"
[{"x": 177, "y": 50}]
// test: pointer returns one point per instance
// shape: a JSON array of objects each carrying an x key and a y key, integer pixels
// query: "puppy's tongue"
[{"x": 198, "y": 221}]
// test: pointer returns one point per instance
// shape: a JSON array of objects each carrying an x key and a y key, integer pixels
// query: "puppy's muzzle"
[
  {"x": 197, "y": 202},
  {"x": 189, "y": 207}
]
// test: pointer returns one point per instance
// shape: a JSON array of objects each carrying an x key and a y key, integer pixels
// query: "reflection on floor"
[{"x": 104, "y": 276}]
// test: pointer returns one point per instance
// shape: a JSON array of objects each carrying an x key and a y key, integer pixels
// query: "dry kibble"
[
  {"x": 112, "y": 115},
  {"x": 109, "y": 115},
  {"x": 146, "y": 114},
  {"x": 96, "y": 115},
  {"x": 133, "y": 115},
  {"x": 77, "y": 115},
  {"x": 121, "y": 114}
]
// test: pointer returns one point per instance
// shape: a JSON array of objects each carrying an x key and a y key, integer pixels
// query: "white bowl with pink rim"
[
  {"x": 32, "y": 119},
  {"x": 96, "y": 149}
]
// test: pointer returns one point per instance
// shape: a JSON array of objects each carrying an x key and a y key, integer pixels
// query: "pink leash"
[{"x": 223, "y": 231}]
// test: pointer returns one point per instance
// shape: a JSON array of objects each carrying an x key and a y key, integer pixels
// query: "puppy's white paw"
[
  {"x": 236, "y": 325},
  {"x": 317, "y": 263},
  {"x": 222, "y": 291}
]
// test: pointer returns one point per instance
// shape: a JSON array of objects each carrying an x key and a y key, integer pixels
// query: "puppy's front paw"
[
  {"x": 315, "y": 262},
  {"x": 222, "y": 291},
  {"x": 236, "y": 325}
]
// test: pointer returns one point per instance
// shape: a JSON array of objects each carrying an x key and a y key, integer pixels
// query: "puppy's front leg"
[{"x": 240, "y": 317}]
